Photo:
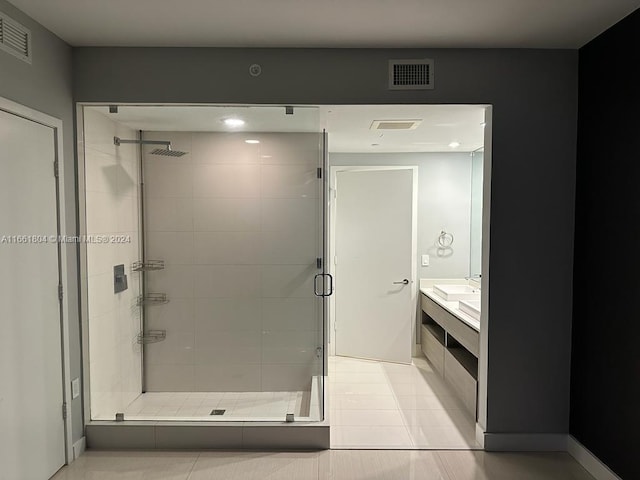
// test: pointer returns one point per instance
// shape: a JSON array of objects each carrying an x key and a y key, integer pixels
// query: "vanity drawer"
[
  {"x": 432, "y": 349},
  {"x": 464, "y": 334},
  {"x": 461, "y": 381}
]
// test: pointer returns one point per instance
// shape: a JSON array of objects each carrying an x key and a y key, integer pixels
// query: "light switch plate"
[{"x": 425, "y": 260}]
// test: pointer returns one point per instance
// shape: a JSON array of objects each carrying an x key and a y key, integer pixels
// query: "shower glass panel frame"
[{"x": 225, "y": 307}]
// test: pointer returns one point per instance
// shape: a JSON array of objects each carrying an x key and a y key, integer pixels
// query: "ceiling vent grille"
[
  {"x": 15, "y": 38},
  {"x": 411, "y": 74},
  {"x": 394, "y": 124}
]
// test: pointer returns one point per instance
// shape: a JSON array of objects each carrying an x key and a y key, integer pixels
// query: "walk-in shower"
[{"x": 222, "y": 248}]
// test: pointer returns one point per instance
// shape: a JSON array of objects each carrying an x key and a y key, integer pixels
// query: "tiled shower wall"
[
  {"x": 112, "y": 196},
  {"x": 238, "y": 227}
]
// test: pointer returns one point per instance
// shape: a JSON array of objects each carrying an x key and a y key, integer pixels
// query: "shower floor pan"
[{"x": 192, "y": 420}]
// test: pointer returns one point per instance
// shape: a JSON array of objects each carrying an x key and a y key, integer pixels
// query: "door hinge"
[
  {"x": 60, "y": 292},
  {"x": 64, "y": 410},
  {"x": 319, "y": 352},
  {"x": 319, "y": 172},
  {"x": 55, "y": 168},
  {"x": 318, "y": 263}
]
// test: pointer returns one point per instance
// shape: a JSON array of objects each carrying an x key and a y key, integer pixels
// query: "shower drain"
[{"x": 217, "y": 412}]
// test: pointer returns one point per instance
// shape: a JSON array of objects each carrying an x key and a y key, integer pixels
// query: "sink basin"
[
  {"x": 457, "y": 292},
  {"x": 471, "y": 308}
]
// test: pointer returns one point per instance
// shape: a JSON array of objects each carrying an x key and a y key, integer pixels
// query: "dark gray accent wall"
[
  {"x": 605, "y": 371},
  {"x": 45, "y": 85},
  {"x": 534, "y": 94}
]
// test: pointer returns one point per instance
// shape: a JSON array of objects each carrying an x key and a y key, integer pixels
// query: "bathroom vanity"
[{"x": 450, "y": 337}]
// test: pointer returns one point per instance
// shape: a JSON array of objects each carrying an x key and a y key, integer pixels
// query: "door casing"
[{"x": 66, "y": 251}]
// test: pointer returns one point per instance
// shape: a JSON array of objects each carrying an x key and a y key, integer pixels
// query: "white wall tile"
[
  {"x": 289, "y": 347},
  {"x": 290, "y": 181},
  {"x": 127, "y": 214},
  {"x": 290, "y": 314},
  {"x": 228, "y": 314},
  {"x": 114, "y": 319},
  {"x": 224, "y": 148},
  {"x": 169, "y": 214},
  {"x": 289, "y": 247},
  {"x": 227, "y": 281},
  {"x": 177, "y": 349},
  {"x": 253, "y": 215},
  {"x": 288, "y": 377},
  {"x": 227, "y": 378},
  {"x": 175, "y": 248},
  {"x": 99, "y": 132},
  {"x": 101, "y": 257},
  {"x": 171, "y": 378},
  {"x": 226, "y": 214},
  {"x": 287, "y": 148},
  {"x": 177, "y": 281},
  {"x": 101, "y": 174},
  {"x": 167, "y": 179},
  {"x": 221, "y": 348},
  {"x": 286, "y": 281},
  {"x": 231, "y": 181},
  {"x": 287, "y": 213},
  {"x": 226, "y": 248},
  {"x": 177, "y": 316},
  {"x": 102, "y": 213}
]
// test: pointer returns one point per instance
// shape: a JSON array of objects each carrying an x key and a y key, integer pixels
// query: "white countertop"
[{"x": 452, "y": 308}]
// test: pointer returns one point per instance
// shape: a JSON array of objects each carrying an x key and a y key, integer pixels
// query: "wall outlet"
[
  {"x": 425, "y": 260},
  {"x": 75, "y": 388}
]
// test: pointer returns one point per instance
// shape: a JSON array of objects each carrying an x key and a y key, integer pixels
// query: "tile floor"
[
  {"x": 378, "y": 405},
  {"x": 324, "y": 465},
  {"x": 198, "y": 405}
]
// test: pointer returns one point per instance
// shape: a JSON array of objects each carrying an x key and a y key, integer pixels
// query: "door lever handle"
[{"x": 403, "y": 282}]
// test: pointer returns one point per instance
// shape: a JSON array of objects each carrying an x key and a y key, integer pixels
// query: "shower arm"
[{"x": 118, "y": 141}]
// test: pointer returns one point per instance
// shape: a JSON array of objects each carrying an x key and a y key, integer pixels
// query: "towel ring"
[{"x": 445, "y": 240}]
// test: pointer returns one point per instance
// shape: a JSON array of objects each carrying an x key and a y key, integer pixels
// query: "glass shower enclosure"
[{"x": 203, "y": 267}]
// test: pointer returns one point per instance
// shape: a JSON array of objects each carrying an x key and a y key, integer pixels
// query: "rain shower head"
[{"x": 166, "y": 151}]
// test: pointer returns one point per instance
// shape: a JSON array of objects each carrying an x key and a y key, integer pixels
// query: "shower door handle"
[{"x": 315, "y": 285}]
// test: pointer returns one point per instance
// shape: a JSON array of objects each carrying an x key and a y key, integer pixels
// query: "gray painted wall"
[
  {"x": 534, "y": 94},
  {"x": 45, "y": 85}
]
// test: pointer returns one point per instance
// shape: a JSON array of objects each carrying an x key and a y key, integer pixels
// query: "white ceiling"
[
  {"x": 329, "y": 23},
  {"x": 348, "y": 125}
]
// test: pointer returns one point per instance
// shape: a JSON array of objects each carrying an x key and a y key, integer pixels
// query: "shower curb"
[{"x": 207, "y": 435}]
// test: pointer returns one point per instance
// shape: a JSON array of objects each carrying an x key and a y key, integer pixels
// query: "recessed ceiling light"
[
  {"x": 252, "y": 141},
  {"x": 233, "y": 122},
  {"x": 265, "y": 156},
  {"x": 454, "y": 144}
]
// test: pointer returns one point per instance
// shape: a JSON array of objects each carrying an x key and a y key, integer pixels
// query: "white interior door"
[
  {"x": 32, "y": 442},
  {"x": 374, "y": 264}
]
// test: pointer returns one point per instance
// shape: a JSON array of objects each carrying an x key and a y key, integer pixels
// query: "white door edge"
[
  {"x": 56, "y": 124},
  {"x": 331, "y": 219}
]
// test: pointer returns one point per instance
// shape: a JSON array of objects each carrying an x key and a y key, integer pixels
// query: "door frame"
[
  {"x": 331, "y": 226},
  {"x": 63, "y": 254}
]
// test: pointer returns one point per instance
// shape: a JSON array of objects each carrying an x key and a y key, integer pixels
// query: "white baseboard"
[
  {"x": 589, "y": 461},
  {"x": 79, "y": 447},
  {"x": 525, "y": 442}
]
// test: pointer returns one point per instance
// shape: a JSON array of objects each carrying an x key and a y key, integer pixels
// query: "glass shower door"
[{"x": 254, "y": 350}]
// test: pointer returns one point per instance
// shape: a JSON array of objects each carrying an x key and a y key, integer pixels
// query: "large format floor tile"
[
  {"x": 323, "y": 465},
  {"x": 387, "y": 405}
]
